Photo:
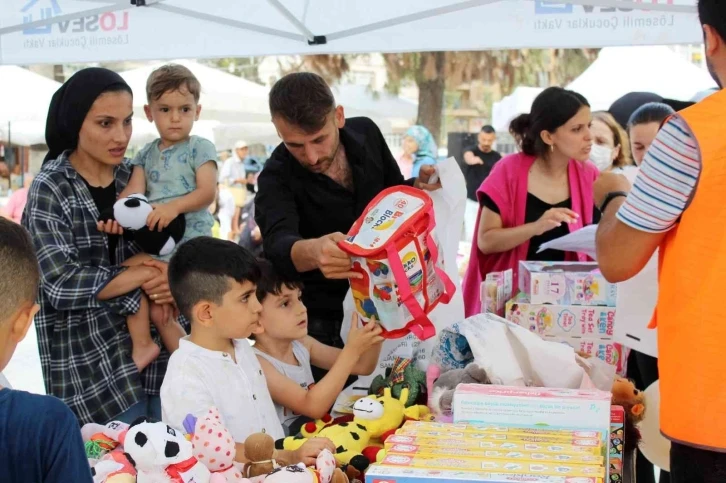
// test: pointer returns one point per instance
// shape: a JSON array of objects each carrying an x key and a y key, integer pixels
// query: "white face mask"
[{"x": 602, "y": 156}]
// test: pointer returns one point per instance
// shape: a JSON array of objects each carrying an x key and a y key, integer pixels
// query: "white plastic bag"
[{"x": 449, "y": 206}]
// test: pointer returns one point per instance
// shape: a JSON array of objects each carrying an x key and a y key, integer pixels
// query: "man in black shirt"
[
  {"x": 479, "y": 159},
  {"x": 314, "y": 187}
]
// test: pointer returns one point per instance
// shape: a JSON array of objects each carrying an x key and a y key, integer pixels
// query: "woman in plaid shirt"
[{"x": 91, "y": 281}]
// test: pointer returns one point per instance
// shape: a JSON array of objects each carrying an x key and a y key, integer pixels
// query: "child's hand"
[
  {"x": 162, "y": 216},
  {"x": 110, "y": 227},
  {"x": 309, "y": 451},
  {"x": 360, "y": 339},
  {"x": 161, "y": 314}
]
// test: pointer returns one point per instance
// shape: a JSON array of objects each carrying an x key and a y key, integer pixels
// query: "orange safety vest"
[{"x": 689, "y": 315}]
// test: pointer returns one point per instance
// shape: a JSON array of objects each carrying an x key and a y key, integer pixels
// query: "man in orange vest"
[{"x": 677, "y": 203}]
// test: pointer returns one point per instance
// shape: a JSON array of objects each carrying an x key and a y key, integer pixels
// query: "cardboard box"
[
  {"x": 391, "y": 474},
  {"x": 565, "y": 434},
  {"x": 588, "y": 447},
  {"x": 533, "y": 407},
  {"x": 566, "y": 283},
  {"x": 441, "y": 451},
  {"x": 604, "y": 349},
  {"x": 496, "y": 289},
  {"x": 562, "y": 320},
  {"x": 458, "y": 463},
  {"x": 615, "y": 447}
]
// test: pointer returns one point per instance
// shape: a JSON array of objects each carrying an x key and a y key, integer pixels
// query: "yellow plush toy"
[{"x": 358, "y": 442}]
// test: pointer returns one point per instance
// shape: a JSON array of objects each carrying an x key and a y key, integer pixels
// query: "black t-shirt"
[
  {"x": 533, "y": 211},
  {"x": 104, "y": 197},
  {"x": 476, "y": 174}
]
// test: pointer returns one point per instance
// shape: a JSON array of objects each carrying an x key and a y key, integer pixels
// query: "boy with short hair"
[
  {"x": 40, "y": 440},
  {"x": 286, "y": 351},
  {"x": 178, "y": 174},
  {"x": 214, "y": 284}
]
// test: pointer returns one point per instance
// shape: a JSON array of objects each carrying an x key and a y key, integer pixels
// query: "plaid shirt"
[{"x": 84, "y": 344}]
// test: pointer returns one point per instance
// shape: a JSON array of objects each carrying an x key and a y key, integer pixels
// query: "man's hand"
[
  {"x": 161, "y": 216},
  {"x": 607, "y": 183},
  {"x": 424, "y": 175},
  {"x": 331, "y": 260},
  {"x": 256, "y": 235},
  {"x": 309, "y": 451},
  {"x": 158, "y": 288}
]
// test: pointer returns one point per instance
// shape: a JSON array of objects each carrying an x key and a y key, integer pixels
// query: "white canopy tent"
[
  {"x": 511, "y": 106},
  {"x": 24, "y": 100},
  {"x": 65, "y": 31},
  {"x": 655, "y": 69},
  {"x": 225, "y": 97}
]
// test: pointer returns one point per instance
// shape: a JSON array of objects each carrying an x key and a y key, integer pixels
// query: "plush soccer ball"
[
  {"x": 160, "y": 453},
  {"x": 131, "y": 213}
]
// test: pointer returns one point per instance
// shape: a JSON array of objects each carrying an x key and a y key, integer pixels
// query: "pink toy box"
[{"x": 566, "y": 283}]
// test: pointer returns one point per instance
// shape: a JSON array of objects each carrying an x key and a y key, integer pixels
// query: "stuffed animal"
[
  {"x": 131, "y": 213},
  {"x": 632, "y": 400},
  {"x": 114, "y": 467},
  {"x": 161, "y": 455},
  {"x": 442, "y": 394},
  {"x": 214, "y": 446},
  {"x": 375, "y": 418},
  {"x": 325, "y": 471},
  {"x": 403, "y": 373}
]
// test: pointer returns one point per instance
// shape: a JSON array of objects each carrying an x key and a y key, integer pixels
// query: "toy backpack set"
[{"x": 394, "y": 247}]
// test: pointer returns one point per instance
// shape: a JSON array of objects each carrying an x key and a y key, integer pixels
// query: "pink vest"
[{"x": 507, "y": 186}]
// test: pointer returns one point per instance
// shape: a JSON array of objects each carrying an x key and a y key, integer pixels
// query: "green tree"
[{"x": 245, "y": 67}]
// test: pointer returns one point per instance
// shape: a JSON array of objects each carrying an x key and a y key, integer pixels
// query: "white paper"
[{"x": 582, "y": 240}]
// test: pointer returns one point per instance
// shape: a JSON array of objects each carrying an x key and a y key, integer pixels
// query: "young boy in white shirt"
[
  {"x": 213, "y": 282},
  {"x": 286, "y": 351}
]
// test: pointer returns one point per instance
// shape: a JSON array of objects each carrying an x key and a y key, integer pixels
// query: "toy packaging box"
[
  {"x": 575, "y": 447},
  {"x": 441, "y": 451},
  {"x": 565, "y": 283},
  {"x": 604, "y": 349},
  {"x": 501, "y": 438},
  {"x": 496, "y": 289},
  {"x": 533, "y": 407},
  {"x": 492, "y": 465},
  {"x": 616, "y": 449},
  {"x": 565, "y": 434},
  {"x": 561, "y": 320},
  {"x": 393, "y": 474}
]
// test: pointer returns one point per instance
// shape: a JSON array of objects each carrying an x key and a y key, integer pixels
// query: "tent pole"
[{"x": 311, "y": 37}]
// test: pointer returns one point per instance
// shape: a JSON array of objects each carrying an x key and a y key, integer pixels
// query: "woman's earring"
[{"x": 552, "y": 148}]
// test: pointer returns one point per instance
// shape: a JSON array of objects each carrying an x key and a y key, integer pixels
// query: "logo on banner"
[
  {"x": 544, "y": 7},
  {"x": 35, "y": 10}
]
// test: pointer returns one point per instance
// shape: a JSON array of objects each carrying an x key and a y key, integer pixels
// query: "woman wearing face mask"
[
  {"x": 537, "y": 195},
  {"x": 643, "y": 126},
  {"x": 610, "y": 148},
  {"x": 90, "y": 281}
]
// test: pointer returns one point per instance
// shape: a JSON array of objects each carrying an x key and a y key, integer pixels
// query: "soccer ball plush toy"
[
  {"x": 131, "y": 213},
  {"x": 162, "y": 455}
]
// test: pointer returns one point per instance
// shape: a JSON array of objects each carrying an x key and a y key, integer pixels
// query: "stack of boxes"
[
  {"x": 504, "y": 434},
  {"x": 568, "y": 302}
]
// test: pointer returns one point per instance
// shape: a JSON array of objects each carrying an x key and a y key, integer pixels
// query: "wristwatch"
[{"x": 611, "y": 196}]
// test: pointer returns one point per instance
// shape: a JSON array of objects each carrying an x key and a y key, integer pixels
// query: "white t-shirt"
[
  {"x": 197, "y": 379},
  {"x": 301, "y": 374}
]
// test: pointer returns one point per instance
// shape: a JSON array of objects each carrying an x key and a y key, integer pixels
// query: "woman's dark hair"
[
  {"x": 650, "y": 112},
  {"x": 551, "y": 109}
]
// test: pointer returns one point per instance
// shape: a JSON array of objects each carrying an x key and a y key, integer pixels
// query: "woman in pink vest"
[{"x": 537, "y": 195}]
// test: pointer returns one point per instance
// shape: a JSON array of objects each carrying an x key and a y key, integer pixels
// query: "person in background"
[
  {"x": 39, "y": 436},
  {"x": 419, "y": 144},
  {"x": 535, "y": 196},
  {"x": 223, "y": 210},
  {"x": 480, "y": 159},
  {"x": 223, "y": 156},
  {"x": 610, "y": 145},
  {"x": 15, "y": 206},
  {"x": 676, "y": 206},
  {"x": 643, "y": 126},
  {"x": 235, "y": 168}
]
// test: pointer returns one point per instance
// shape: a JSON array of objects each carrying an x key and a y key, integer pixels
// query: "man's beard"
[
  {"x": 712, "y": 71},
  {"x": 324, "y": 164}
]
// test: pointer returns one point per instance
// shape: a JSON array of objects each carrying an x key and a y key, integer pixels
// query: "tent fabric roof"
[
  {"x": 63, "y": 31},
  {"x": 24, "y": 95},
  {"x": 655, "y": 69}
]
